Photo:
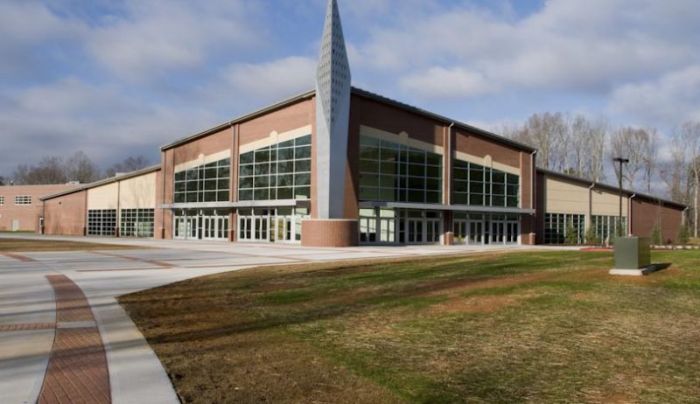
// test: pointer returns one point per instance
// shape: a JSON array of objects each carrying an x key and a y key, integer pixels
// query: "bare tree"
[
  {"x": 129, "y": 164},
  {"x": 50, "y": 170},
  {"x": 629, "y": 143},
  {"x": 2, "y": 180},
  {"x": 650, "y": 151},
  {"x": 690, "y": 136},
  {"x": 547, "y": 133},
  {"x": 81, "y": 168},
  {"x": 674, "y": 172},
  {"x": 587, "y": 147}
]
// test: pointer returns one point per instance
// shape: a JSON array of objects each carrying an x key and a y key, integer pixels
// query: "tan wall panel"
[
  {"x": 138, "y": 192},
  {"x": 608, "y": 204},
  {"x": 565, "y": 197},
  {"x": 104, "y": 197}
]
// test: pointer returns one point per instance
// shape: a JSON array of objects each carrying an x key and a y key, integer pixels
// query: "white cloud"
[
  {"x": 671, "y": 99},
  {"x": 439, "y": 82},
  {"x": 68, "y": 115},
  {"x": 154, "y": 38},
  {"x": 23, "y": 26},
  {"x": 568, "y": 45},
  {"x": 272, "y": 80}
]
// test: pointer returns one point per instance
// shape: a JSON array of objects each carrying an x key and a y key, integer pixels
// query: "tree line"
[
  {"x": 585, "y": 148},
  {"x": 78, "y": 167}
]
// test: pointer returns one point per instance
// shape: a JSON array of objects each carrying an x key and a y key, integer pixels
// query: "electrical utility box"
[{"x": 632, "y": 253}]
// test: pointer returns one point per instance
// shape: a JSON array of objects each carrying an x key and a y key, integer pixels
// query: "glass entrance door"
[
  {"x": 432, "y": 230},
  {"x": 281, "y": 225},
  {"x": 498, "y": 229},
  {"x": 512, "y": 232},
  {"x": 415, "y": 231},
  {"x": 476, "y": 232},
  {"x": 201, "y": 225},
  {"x": 504, "y": 230},
  {"x": 460, "y": 230}
]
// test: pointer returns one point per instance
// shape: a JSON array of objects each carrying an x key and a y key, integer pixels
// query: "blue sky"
[{"x": 122, "y": 77}]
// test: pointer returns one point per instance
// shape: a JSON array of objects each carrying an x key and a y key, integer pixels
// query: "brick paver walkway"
[{"x": 77, "y": 370}]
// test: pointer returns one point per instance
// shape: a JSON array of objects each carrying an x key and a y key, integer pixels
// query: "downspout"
[
  {"x": 118, "y": 226},
  {"x": 448, "y": 155},
  {"x": 629, "y": 214},
  {"x": 533, "y": 190},
  {"x": 589, "y": 221},
  {"x": 43, "y": 217},
  {"x": 448, "y": 182}
]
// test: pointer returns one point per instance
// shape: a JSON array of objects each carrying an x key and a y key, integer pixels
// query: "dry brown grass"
[{"x": 536, "y": 327}]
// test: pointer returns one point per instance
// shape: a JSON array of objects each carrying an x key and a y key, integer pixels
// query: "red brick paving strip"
[
  {"x": 161, "y": 264},
  {"x": 77, "y": 370},
  {"x": 27, "y": 327},
  {"x": 18, "y": 257},
  {"x": 71, "y": 304}
]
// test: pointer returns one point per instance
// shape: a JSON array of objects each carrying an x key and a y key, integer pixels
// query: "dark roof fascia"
[
  {"x": 105, "y": 181},
  {"x": 443, "y": 119},
  {"x": 240, "y": 119},
  {"x": 599, "y": 185}
]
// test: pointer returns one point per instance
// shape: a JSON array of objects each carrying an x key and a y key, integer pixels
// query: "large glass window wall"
[
  {"x": 277, "y": 172},
  {"x": 206, "y": 183},
  {"x": 393, "y": 172},
  {"x": 561, "y": 228},
  {"x": 605, "y": 226},
  {"x": 476, "y": 185}
]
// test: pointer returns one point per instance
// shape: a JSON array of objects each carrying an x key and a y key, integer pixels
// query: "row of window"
[
  {"x": 206, "y": 183},
  {"x": 397, "y": 173},
  {"x": 102, "y": 222},
  {"x": 133, "y": 223},
  {"x": 136, "y": 223},
  {"x": 19, "y": 200},
  {"x": 389, "y": 172},
  {"x": 560, "y": 228},
  {"x": 564, "y": 228},
  {"x": 477, "y": 185},
  {"x": 279, "y": 171}
]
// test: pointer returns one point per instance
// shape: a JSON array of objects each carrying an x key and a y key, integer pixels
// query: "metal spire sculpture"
[{"x": 333, "y": 87}]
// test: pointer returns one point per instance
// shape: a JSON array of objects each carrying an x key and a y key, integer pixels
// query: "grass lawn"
[
  {"x": 536, "y": 326},
  {"x": 10, "y": 245}
]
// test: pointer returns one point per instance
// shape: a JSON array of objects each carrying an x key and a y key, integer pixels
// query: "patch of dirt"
[
  {"x": 478, "y": 304},
  {"x": 464, "y": 285}
]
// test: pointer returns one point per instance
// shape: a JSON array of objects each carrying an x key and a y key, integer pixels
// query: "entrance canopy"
[{"x": 437, "y": 206}]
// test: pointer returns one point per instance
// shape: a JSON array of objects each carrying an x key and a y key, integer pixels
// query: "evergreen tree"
[
  {"x": 656, "y": 238},
  {"x": 571, "y": 233},
  {"x": 591, "y": 236},
  {"x": 683, "y": 235}
]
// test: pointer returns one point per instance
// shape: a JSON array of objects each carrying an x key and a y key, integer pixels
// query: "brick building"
[{"x": 341, "y": 166}]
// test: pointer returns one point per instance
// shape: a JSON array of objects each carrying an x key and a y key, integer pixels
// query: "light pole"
[{"x": 621, "y": 161}]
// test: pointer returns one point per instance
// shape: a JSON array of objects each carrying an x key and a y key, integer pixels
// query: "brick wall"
[{"x": 329, "y": 233}]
